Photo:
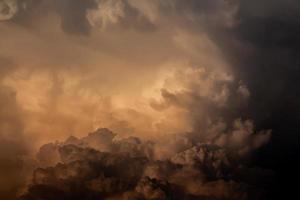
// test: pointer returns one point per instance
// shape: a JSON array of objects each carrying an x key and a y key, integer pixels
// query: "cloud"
[
  {"x": 73, "y": 15},
  {"x": 8, "y": 9},
  {"x": 186, "y": 75},
  {"x": 107, "y": 12},
  {"x": 84, "y": 172},
  {"x": 13, "y": 146},
  {"x": 118, "y": 13}
]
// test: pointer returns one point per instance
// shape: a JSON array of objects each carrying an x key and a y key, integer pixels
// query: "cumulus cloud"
[
  {"x": 201, "y": 171},
  {"x": 184, "y": 75}
]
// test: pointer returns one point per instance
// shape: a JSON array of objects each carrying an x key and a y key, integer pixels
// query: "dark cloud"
[
  {"x": 14, "y": 10},
  {"x": 201, "y": 171},
  {"x": 76, "y": 16},
  {"x": 73, "y": 15},
  {"x": 256, "y": 41},
  {"x": 8, "y": 9},
  {"x": 264, "y": 47}
]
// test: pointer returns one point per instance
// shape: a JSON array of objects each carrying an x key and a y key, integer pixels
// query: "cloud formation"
[
  {"x": 88, "y": 169},
  {"x": 219, "y": 73}
]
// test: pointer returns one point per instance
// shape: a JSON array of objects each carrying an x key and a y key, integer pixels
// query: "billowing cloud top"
[{"x": 93, "y": 167}]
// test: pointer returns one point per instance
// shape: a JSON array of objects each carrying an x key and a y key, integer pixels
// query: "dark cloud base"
[{"x": 127, "y": 169}]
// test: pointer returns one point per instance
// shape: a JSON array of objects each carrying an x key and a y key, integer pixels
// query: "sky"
[{"x": 167, "y": 81}]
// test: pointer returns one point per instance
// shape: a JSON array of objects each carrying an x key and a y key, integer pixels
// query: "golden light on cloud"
[{"x": 91, "y": 85}]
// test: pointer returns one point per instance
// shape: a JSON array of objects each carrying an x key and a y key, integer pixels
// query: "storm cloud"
[
  {"x": 212, "y": 76},
  {"x": 93, "y": 167}
]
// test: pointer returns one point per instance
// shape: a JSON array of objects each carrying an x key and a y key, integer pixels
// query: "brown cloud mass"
[
  {"x": 101, "y": 166},
  {"x": 147, "y": 70}
]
